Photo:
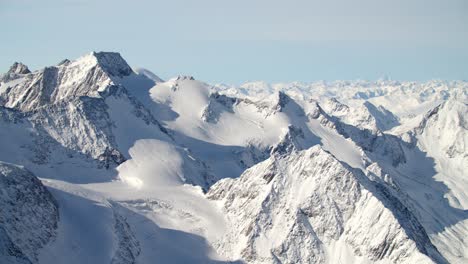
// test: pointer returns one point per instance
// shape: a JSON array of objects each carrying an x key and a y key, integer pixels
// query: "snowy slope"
[
  {"x": 90, "y": 229},
  {"x": 442, "y": 134},
  {"x": 436, "y": 177},
  {"x": 142, "y": 169}
]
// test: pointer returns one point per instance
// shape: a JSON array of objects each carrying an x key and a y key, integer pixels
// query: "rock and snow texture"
[
  {"x": 90, "y": 230},
  {"x": 28, "y": 215},
  {"x": 139, "y": 169},
  {"x": 301, "y": 207},
  {"x": 442, "y": 134}
]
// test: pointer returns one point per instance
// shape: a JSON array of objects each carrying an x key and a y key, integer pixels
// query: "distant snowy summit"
[{"x": 104, "y": 163}]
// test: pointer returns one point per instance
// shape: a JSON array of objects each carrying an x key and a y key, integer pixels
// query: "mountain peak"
[
  {"x": 87, "y": 76},
  {"x": 64, "y": 62},
  {"x": 112, "y": 63},
  {"x": 19, "y": 68},
  {"x": 185, "y": 77}
]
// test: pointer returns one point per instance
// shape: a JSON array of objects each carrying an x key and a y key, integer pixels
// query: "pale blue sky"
[{"x": 236, "y": 41}]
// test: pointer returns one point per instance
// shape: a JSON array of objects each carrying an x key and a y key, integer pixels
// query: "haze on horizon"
[{"x": 237, "y": 41}]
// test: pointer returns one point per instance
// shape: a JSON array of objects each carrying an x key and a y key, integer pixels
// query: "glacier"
[{"x": 104, "y": 163}]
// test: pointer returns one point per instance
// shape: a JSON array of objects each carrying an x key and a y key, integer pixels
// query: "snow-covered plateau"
[{"x": 103, "y": 163}]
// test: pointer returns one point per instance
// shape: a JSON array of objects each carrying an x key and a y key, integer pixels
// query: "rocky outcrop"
[
  {"x": 28, "y": 215},
  {"x": 128, "y": 247},
  {"x": 18, "y": 68}
]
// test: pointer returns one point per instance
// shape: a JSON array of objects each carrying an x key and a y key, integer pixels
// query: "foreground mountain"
[
  {"x": 29, "y": 215},
  {"x": 309, "y": 207},
  {"x": 136, "y": 168}
]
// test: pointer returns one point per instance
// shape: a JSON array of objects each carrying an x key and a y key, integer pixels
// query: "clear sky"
[{"x": 244, "y": 40}]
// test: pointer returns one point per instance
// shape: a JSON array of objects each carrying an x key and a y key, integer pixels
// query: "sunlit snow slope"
[{"x": 135, "y": 169}]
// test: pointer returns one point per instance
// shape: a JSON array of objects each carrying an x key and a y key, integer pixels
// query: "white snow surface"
[{"x": 181, "y": 171}]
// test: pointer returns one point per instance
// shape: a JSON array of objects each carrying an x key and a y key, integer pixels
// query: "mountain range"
[{"x": 104, "y": 163}]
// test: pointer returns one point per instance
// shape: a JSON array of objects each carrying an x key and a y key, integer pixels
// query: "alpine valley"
[{"x": 104, "y": 163}]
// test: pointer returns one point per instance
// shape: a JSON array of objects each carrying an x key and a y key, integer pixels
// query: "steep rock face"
[
  {"x": 293, "y": 140},
  {"x": 128, "y": 247},
  {"x": 217, "y": 104},
  {"x": 112, "y": 63},
  {"x": 70, "y": 104},
  {"x": 443, "y": 135},
  {"x": 28, "y": 215},
  {"x": 17, "y": 70},
  {"x": 9, "y": 252},
  {"x": 82, "y": 124},
  {"x": 384, "y": 119},
  {"x": 272, "y": 104},
  {"x": 335, "y": 107},
  {"x": 52, "y": 135},
  {"x": 365, "y": 134},
  {"x": 435, "y": 177},
  {"x": 366, "y": 116},
  {"x": 86, "y": 76},
  {"x": 448, "y": 124},
  {"x": 20, "y": 142},
  {"x": 87, "y": 124},
  {"x": 293, "y": 209}
]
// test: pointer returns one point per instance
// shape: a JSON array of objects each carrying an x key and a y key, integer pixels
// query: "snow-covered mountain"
[{"x": 101, "y": 163}]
